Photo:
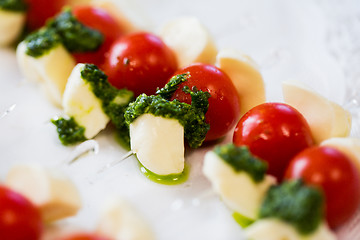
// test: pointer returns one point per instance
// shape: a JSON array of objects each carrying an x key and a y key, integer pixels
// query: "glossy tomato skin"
[
  {"x": 41, "y": 10},
  {"x": 224, "y": 108},
  {"x": 98, "y": 19},
  {"x": 84, "y": 236},
  {"x": 274, "y": 132},
  {"x": 335, "y": 174},
  {"x": 19, "y": 218},
  {"x": 140, "y": 62}
]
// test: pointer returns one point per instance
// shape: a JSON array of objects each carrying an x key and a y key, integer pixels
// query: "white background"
[{"x": 317, "y": 42}]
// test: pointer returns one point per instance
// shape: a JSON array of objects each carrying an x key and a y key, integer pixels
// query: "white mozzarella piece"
[
  {"x": 120, "y": 221},
  {"x": 80, "y": 103},
  {"x": 237, "y": 189},
  {"x": 325, "y": 118},
  {"x": 51, "y": 69},
  {"x": 245, "y": 76},
  {"x": 158, "y": 143},
  {"x": 190, "y": 41},
  {"x": 51, "y": 191},
  {"x": 273, "y": 229},
  {"x": 11, "y": 25},
  {"x": 54, "y": 69},
  {"x": 26, "y": 64}
]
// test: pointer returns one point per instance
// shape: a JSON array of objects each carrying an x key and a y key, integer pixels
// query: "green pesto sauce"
[
  {"x": 242, "y": 220},
  {"x": 123, "y": 139},
  {"x": 13, "y": 5},
  {"x": 41, "y": 42},
  {"x": 70, "y": 132},
  {"x": 75, "y": 36},
  {"x": 295, "y": 203},
  {"x": 240, "y": 159},
  {"x": 172, "y": 179},
  {"x": 190, "y": 117},
  {"x": 169, "y": 89},
  {"x": 114, "y": 101}
]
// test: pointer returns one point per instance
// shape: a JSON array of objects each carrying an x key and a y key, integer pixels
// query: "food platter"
[{"x": 310, "y": 42}]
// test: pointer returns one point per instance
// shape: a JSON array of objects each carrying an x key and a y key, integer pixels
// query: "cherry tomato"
[
  {"x": 335, "y": 174},
  {"x": 274, "y": 132},
  {"x": 41, "y": 10},
  {"x": 140, "y": 62},
  {"x": 84, "y": 236},
  {"x": 223, "y": 112},
  {"x": 98, "y": 19},
  {"x": 19, "y": 218}
]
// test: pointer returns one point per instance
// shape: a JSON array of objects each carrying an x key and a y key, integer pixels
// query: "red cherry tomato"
[
  {"x": 98, "y": 19},
  {"x": 333, "y": 172},
  {"x": 275, "y": 132},
  {"x": 41, "y": 10},
  {"x": 140, "y": 62},
  {"x": 84, "y": 236},
  {"x": 19, "y": 218},
  {"x": 223, "y": 112}
]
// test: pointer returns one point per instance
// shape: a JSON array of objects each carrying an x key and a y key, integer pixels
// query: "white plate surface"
[{"x": 317, "y": 42}]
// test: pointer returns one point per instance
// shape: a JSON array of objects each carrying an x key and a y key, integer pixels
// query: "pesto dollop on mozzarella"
[
  {"x": 191, "y": 117},
  {"x": 81, "y": 104},
  {"x": 75, "y": 36},
  {"x": 236, "y": 185},
  {"x": 90, "y": 102},
  {"x": 295, "y": 203}
]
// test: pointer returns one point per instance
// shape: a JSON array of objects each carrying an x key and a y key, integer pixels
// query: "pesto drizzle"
[
  {"x": 13, "y": 5},
  {"x": 240, "y": 159}
]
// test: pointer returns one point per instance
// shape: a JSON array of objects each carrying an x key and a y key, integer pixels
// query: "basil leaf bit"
[
  {"x": 169, "y": 89},
  {"x": 295, "y": 203},
  {"x": 13, "y": 5},
  {"x": 75, "y": 36},
  {"x": 69, "y": 131},
  {"x": 240, "y": 159}
]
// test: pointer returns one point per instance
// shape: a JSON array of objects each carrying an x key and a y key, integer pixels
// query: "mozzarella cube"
[
  {"x": 237, "y": 189},
  {"x": 158, "y": 143},
  {"x": 190, "y": 41},
  {"x": 245, "y": 76},
  {"x": 26, "y": 64},
  {"x": 51, "y": 69},
  {"x": 326, "y": 119},
  {"x": 51, "y": 191},
  {"x": 120, "y": 221},
  {"x": 80, "y": 103},
  {"x": 11, "y": 25},
  {"x": 274, "y": 229}
]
